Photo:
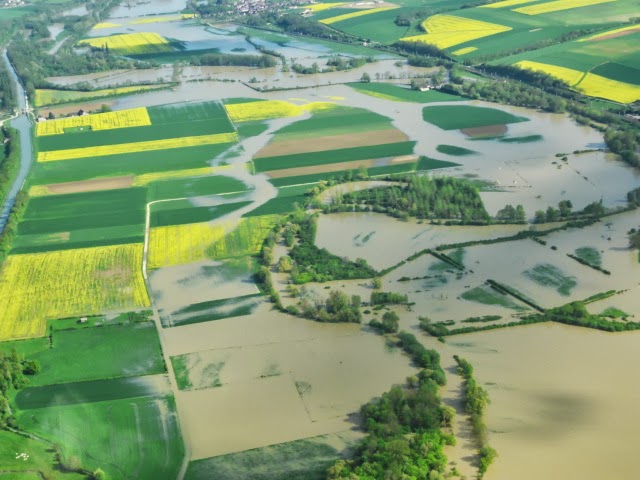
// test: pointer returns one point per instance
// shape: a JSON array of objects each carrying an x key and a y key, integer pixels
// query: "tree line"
[
  {"x": 476, "y": 400},
  {"x": 404, "y": 427},
  {"x": 421, "y": 197}
]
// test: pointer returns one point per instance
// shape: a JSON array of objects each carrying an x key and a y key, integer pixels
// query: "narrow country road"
[{"x": 23, "y": 124}]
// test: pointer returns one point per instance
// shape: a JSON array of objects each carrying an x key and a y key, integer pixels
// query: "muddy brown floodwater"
[{"x": 564, "y": 400}]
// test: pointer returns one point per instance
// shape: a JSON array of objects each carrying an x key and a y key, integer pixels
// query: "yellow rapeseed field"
[
  {"x": 131, "y": 43},
  {"x": 39, "y": 191},
  {"x": 567, "y": 75},
  {"x": 122, "y": 148},
  {"x": 147, "y": 178},
  {"x": 164, "y": 18},
  {"x": 359, "y": 13},
  {"x": 446, "y": 31},
  {"x": 40, "y": 286},
  {"x": 101, "y": 25},
  {"x": 253, "y": 111},
  {"x": 629, "y": 28},
  {"x": 464, "y": 51},
  {"x": 134, "y": 117},
  {"x": 318, "y": 7},
  {"x": 179, "y": 244},
  {"x": 53, "y": 97},
  {"x": 558, "y": 5},
  {"x": 506, "y": 3},
  {"x": 601, "y": 87}
]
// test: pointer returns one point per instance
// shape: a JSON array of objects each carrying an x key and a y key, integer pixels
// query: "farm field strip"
[
  {"x": 333, "y": 156},
  {"x": 558, "y": 5},
  {"x": 95, "y": 280},
  {"x": 125, "y": 148},
  {"x": 332, "y": 142},
  {"x": 318, "y": 7},
  {"x": 588, "y": 83},
  {"x": 131, "y": 43},
  {"x": 568, "y": 75},
  {"x": 178, "y": 244},
  {"x": 53, "y": 97},
  {"x": 463, "y": 117},
  {"x": 135, "y": 117},
  {"x": 148, "y": 178},
  {"x": 464, "y": 51},
  {"x": 361, "y": 13},
  {"x": 446, "y": 31},
  {"x": 597, "y": 86},
  {"x": 616, "y": 32},
  {"x": 269, "y": 109},
  {"x": 400, "y": 94},
  {"x": 98, "y": 184},
  {"x": 130, "y": 438},
  {"x": 212, "y": 310},
  {"x": 506, "y": 3}
]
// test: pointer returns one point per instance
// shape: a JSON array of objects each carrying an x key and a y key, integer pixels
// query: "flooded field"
[
  {"x": 310, "y": 378},
  {"x": 556, "y": 393}
]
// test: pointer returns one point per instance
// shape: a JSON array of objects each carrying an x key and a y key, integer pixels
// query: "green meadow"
[{"x": 456, "y": 117}]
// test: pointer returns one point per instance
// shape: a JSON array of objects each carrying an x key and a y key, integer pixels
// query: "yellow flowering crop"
[
  {"x": 318, "y": 7},
  {"x": 122, "y": 148},
  {"x": 253, "y": 111},
  {"x": 147, "y": 178},
  {"x": 40, "y": 286},
  {"x": 131, "y": 43},
  {"x": 557, "y": 6},
  {"x": 178, "y": 244},
  {"x": 164, "y": 18},
  {"x": 589, "y": 83},
  {"x": 567, "y": 75},
  {"x": 629, "y": 28},
  {"x": 53, "y": 97},
  {"x": 360, "y": 13},
  {"x": 134, "y": 117},
  {"x": 101, "y": 25},
  {"x": 446, "y": 31},
  {"x": 39, "y": 191},
  {"x": 601, "y": 87},
  {"x": 506, "y": 3},
  {"x": 464, "y": 51}
]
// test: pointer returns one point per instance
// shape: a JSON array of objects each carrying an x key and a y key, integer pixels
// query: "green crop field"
[
  {"x": 191, "y": 214},
  {"x": 284, "y": 202},
  {"x": 335, "y": 121},
  {"x": 372, "y": 172},
  {"x": 454, "y": 150},
  {"x": 378, "y": 27},
  {"x": 333, "y": 156},
  {"x": 194, "y": 187},
  {"x": 211, "y": 310},
  {"x": 488, "y": 296},
  {"x": 80, "y": 220},
  {"x": 397, "y": 93},
  {"x": 456, "y": 117},
  {"x": 91, "y": 391},
  {"x": 132, "y": 438},
  {"x": 306, "y": 459},
  {"x": 548, "y": 275},
  {"x": 137, "y": 163},
  {"x": 426, "y": 163},
  {"x": 92, "y": 237},
  {"x": 160, "y": 129},
  {"x": 40, "y": 464},
  {"x": 93, "y": 353}
]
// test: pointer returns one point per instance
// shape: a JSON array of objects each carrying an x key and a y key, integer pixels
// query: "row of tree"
[
  {"x": 476, "y": 400},
  {"x": 404, "y": 428},
  {"x": 313, "y": 264},
  {"x": 422, "y": 197}
]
